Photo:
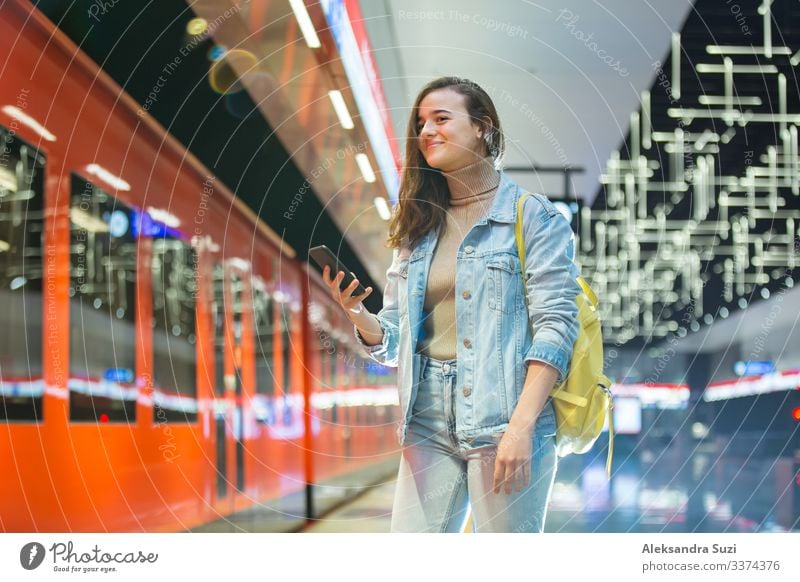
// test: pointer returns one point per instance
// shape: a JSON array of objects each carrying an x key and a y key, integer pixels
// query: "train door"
[
  {"x": 237, "y": 303},
  {"x": 220, "y": 403}
]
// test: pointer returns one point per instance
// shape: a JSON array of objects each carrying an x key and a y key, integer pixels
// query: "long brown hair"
[{"x": 424, "y": 196}]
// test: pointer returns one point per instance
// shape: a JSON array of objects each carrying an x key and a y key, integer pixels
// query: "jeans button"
[{"x": 467, "y": 391}]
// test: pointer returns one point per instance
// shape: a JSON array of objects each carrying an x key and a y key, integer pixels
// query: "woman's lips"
[{"x": 432, "y": 144}]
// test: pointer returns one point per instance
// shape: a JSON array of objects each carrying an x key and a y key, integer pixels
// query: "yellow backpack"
[{"x": 584, "y": 399}]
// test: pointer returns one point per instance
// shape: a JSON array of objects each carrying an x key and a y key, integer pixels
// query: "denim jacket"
[{"x": 493, "y": 326}]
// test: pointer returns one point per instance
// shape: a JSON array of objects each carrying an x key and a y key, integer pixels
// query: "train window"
[
  {"x": 174, "y": 269},
  {"x": 286, "y": 324},
  {"x": 265, "y": 350},
  {"x": 237, "y": 315},
  {"x": 219, "y": 330},
  {"x": 102, "y": 323},
  {"x": 21, "y": 268},
  {"x": 237, "y": 312},
  {"x": 264, "y": 322}
]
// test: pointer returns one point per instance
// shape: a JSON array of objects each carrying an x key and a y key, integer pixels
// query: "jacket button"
[
  {"x": 466, "y": 295},
  {"x": 467, "y": 343},
  {"x": 468, "y": 249},
  {"x": 467, "y": 391}
]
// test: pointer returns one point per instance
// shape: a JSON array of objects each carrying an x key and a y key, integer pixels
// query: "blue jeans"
[{"x": 438, "y": 480}]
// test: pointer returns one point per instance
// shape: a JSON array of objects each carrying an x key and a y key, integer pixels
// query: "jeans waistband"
[{"x": 441, "y": 366}]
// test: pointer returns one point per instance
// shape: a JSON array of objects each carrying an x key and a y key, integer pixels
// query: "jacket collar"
[{"x": 504, "y": 205}]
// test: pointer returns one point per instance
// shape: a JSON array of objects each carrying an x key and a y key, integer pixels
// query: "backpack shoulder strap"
[
  {"x": 519, "y": 235},
  {"x": 587, "y": 289}
]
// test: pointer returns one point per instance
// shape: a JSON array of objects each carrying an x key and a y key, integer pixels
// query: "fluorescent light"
[
  {"x": 8, "y": 179},
  {"x": 675, "y": 89},
  {"x": 701, "y": 141},
  {"x": 115, "y": 181},
  {"x": 87, "y": 221},
  {"x": 341, "y": 109},
  {"x": 720, "y": 100},
  {"x": 239, "y": 264},
  {"x": 714, "y": 68},
  {"x": 728, "y": 135},
  {"x": 4, "y": 246},
  {"x": 383, "y": 207},
  {"x": 306, "y": 26},
  {"x": 164, "y": 217},
  {"x": 366, "y": 169},
  {"x": 745, "y": 50},
  {"x": 28, "y": 121}
]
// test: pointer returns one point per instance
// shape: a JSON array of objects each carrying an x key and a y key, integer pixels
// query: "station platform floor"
[
  {"x": 371, "y": 512},
  {"x": 652, "y": 490}
]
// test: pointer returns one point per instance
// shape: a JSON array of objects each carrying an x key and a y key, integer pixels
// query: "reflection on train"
[{"x": 164, "y": 360}]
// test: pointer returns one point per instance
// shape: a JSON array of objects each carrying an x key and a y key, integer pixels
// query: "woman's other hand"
[{"x": 512, "y": 464}]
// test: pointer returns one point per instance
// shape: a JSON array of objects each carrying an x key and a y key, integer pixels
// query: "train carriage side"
[{"x": 163, "y": 380}]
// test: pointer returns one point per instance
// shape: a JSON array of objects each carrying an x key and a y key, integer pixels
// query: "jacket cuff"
[
  {"x": 555, "y": 356},
  {"x": 370, "y": 348}
]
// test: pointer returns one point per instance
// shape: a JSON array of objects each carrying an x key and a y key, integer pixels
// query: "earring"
[{"x": 491, "y": 147}]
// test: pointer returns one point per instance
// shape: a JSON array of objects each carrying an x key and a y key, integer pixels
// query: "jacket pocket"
[{"x": 504, "y": 282}]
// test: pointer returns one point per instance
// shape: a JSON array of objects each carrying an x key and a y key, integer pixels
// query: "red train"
[{"x": 164, "y": 358}]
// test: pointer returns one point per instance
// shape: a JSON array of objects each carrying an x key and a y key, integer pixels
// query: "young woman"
[{"x": 478, "y": 425}]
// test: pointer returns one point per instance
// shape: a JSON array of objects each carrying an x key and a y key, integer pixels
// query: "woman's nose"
[{"x": 427, "y": 129}]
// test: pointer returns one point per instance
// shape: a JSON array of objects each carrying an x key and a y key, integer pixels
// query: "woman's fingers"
[
  {"x": 497, "y": 478},
  {"x": 332, "y": 283},
  {"x": 511, "y": 476},
  {"x": 511, "y": 471},
  {"x": 501, "y": 476},
  {"x": 347, "y": 292},
  {"x": 344, "y": 296},
  {"x": 520, "y": 477},
  {"x": 526, "y": 474},
  {"x": 326, "y": 276}
]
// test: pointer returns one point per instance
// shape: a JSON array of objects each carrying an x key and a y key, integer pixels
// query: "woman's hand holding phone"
[
  {"x": 368, "y": 326},
  {"x": 349, "y": 302}
]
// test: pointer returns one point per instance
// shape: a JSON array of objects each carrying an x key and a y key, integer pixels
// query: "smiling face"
[{"x": 448, "y": 138}]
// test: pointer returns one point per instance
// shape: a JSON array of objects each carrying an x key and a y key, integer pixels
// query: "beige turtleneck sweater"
[{"x": 472, "y": 190}]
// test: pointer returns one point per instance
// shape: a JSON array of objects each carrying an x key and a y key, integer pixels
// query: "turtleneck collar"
[{"x": 469, "y": 182}]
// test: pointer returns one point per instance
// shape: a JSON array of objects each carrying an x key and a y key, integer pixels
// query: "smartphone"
[{"x": 322, "y": 255}]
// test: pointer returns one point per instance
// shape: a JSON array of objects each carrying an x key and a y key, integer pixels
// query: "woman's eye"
[{"x": 438, "y": 120}]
